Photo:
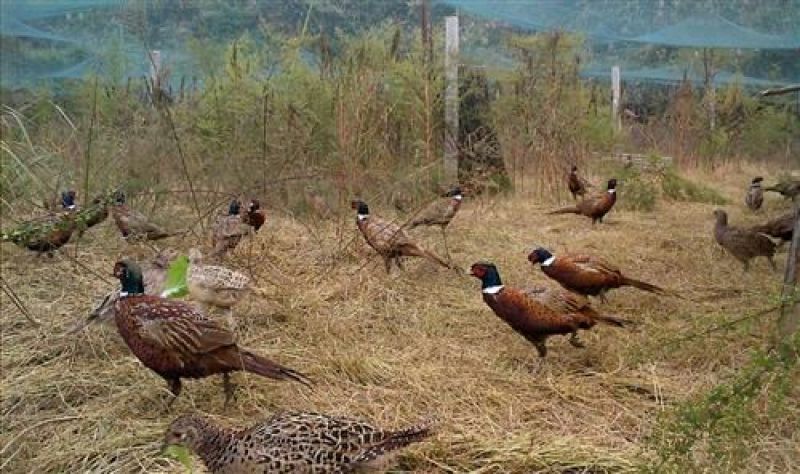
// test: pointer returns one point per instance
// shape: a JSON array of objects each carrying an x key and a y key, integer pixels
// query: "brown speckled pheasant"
[
  {"x": 317, "y": 203},
  {"x": 594, "y": 207},
  {"x": 755, "y": 194},
  {"x": 133, "y": 224},
  {"x": 440, "y": 213},
  {"x": 388, "y": 239},
  {"x": 532, "y": 318},
  {"x": 586, "y": 274},
  {"x": 229, "y": 230},
  {"x": 290, "y": 442},
  {"x": 175, "y": 340},
  {"x": 743, "y": 244},
  {"x": 781, "y": 227},
  {"x": 214, "y": 285}
]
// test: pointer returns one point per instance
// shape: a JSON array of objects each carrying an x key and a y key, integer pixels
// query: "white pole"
[
  {"x": 451, "y": 100},
  {"x": 615, "y": 98}
]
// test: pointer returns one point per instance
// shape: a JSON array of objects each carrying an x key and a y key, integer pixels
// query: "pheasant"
[
  {"x": 317, "y": 204},
  {"x": 789, "y": 188},
  {"x": 175, "y": 340},
  {"x": 440, "y": 213},
  {"x": 594, "y": 207},
  {"x": 388, "y": 239},
  {"x": 43, "y": 234},
  {"x": 781, "y": 227},
  {"x": 133, "y": 224},
  {"x": 63, "y": 202},
  {"x": 154, "y": 276},
  {"x": 255, "y": 216},
  {"x": 755, "y": 194},
  {"x": 577, "y": 185},
  {"x": 531, "y": 317},
  {"x": 214, "y": 285},
  {"x": 290, "y": 442},
  {"x": 565, "y": 301},
  {"x": 585, "y": 274},
  {"x": 743, "y": 244},
  {"x": 229, "y": 230}
]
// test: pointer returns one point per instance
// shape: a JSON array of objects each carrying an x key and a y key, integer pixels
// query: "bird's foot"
[
  {"x": 575, "y": 342},
  {"x": 536, "y": 367}
]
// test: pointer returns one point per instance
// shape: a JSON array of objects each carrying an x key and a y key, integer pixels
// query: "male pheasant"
[
  {"x": 594, "y": 207},
  {"x": 388, "y": 239},
  {"x": 133, "y": 224},
  {"x": 175, "y": 340},
  {"x": 586, "y": 274},
  {"x": 531, "y": 317}
]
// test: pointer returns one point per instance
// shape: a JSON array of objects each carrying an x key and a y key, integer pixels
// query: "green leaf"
[
  {"x": 175, "y": 285},
  {"x": 180, "y": 454}
]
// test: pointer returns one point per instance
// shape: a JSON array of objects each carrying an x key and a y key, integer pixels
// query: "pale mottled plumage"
[
  {"x": 290, "y": 442},
  {"x": 213, "y": 284}
]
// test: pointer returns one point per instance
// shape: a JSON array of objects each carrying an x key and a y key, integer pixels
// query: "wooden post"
[
  {"x": 615, "y": 97},
  {"x": 155, "y": 66},
  {"x": 789, "y": 321},
  {"x": 451, "y": 100}
]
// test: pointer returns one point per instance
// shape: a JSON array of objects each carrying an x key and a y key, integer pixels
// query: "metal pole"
[{"x": 615, "y": 98}]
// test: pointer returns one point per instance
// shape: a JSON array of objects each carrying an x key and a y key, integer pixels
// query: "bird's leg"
[
  {"x": 446, "y": 249},
  {"x": 387, "y": 262},
  {"x": 746, "y": 265},
  {"x": 175, "y": 388},
  {"x": 231, "y": 320},
  {"x": 602, "y": 297},
  {"x": 575, "y": 342},
  {"x": 229, "y": 388},
  {"x": 772, "y": 264},
  {"x": 399, "y": 262},
  {"x": 541, "y": 347}
]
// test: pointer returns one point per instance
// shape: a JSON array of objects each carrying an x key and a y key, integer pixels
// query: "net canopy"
[{"x": 41, "y": 40}]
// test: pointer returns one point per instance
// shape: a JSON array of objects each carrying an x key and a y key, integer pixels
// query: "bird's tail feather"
[
  {"x": 644, "y": 286},
  {"x": 566, "y": 210},
  {"x": 396, "y": 440},
  {"x": 613, "y": 320},
  {"x": 266, "y": 368},
  {"x": 417, "y": 251}
]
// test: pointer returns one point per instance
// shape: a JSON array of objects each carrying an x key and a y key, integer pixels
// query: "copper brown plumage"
[
  {"x": 577, "y": 185},
  {"x": 565, "y": 301},
  {"x": 594, "y": 207},
  {"x": 743, "y": 244},
  {"x": 755, "y": 194},
  {"x": 290, "y": 442},
  {"x": 586, "y": 274},
  {"x": 531, "y": 317},
  {"x": 43, "y": 234},
  {"x": 134, "y": 225},
  {"x": 781, "y": 227},
  {"x": 388, "y": 239},
  {"x": 177, "y": 341},
  {"x": 255, "y": 216}
]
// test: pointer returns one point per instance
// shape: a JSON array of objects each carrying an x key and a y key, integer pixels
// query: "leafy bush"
[
  {"x": 638, "y": 191},
  {"x": 678, "y": 188}
]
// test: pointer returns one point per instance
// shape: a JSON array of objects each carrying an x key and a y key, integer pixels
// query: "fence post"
[
  {"x": 789, "y": 321},
  {"x": 615, "y": 97},
  {"x": 451, "y": 100}
]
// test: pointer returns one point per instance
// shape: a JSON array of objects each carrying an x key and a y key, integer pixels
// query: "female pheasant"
[
  {"x": 782, "y": 227},
  {"x": 440, "y": 213},
  {"x": 577, "y": 185},
  {"x": 743, "y": 244},
  {"x": 586, "y": 274},
  {"x": 175, "y": 340},
  {"x": 531, "y": 317},
  {"x": 388, "y": 239},
  {"x": 290, "y": 442},
  {"x": 214, "y": 285},
  {"x": 594, "y": 207},
  {"x": 133, "y": 224},
  {"x": 755, "y": 194},
  {"x": 229, "y": 230}
]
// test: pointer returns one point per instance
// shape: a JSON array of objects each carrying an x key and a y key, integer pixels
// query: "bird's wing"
[
  {"x": 230, "y": 226},
  {"x": 139, "y": 223},
  {"x": 589, "y": 263},
  {"x": 316, "y": 428},
  {"x": 433, "y": 212},
  {"x": 384, "y": 235},
  {"x": 562, "y": 301},
  {"x": 218, "y": 278},
  {"x": 736, "y": 239},
  {"x": 178, "y": 327},
  {"x": 529, "y": 316}
]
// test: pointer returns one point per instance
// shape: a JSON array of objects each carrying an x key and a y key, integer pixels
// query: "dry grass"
[{"x": 401, "y": 348}]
